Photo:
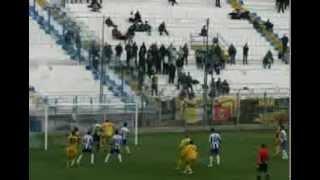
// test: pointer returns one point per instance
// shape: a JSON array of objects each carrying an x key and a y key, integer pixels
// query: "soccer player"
[
  {"x": 190, "y": 155},
  {"x": 106, "y": 133},
  {"x": 87, "y": 148},
  {"x": 72, "y": 148},
  {"x": 215, "y": 142},
  {"x": 277, "y": 141},
  {"x": 96, "y": 137},
  {"x": 262, "y": 163},
  {"x": 124, "y": 131},
  {"x": 185, "y": 141},
  {"x": 115, "y": 147},
  {"x": 283, "y": 142}
]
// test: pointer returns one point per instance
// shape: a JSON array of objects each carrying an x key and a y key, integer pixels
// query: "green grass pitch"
[{"x": 155, "y": 158}]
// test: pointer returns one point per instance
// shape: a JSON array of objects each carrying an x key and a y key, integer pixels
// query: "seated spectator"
[
  {"x": 204, "y": 31},
  {"x": 116, "y": 34},
  {"x": 162, "y": 28},
  {"x": 269, "y": 25},
  {"x": 109, "y": 22}
]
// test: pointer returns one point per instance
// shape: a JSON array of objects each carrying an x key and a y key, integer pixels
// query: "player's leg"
[
  {"x": 210, "y": 158},
  {"x": 284, "y": 151},
  {"x": 218, "y": 157},
  {"x": 92, "y": 158},
  {"x": 79, "y": 159},
  {"x": 119, "y": 155},
  {"x": 106, "y": 160}
]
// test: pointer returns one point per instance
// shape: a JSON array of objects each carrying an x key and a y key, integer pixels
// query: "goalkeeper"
[{"x": 183, "y": 143}]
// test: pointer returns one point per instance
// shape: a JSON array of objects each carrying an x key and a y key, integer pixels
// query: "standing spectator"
[
  {"x": 149, "y": 63},
  {"x": 171, "y": 72},
  {"x": 135, "y": 53},
  {"x": 212, "y": 92},
  {"x": 185, "y": 53},
  {"x": 269, "y": 25},
  {"x": 179, "y": 65},
  {"x": 204, "y": 31},
  {"x": 284, "y": 41},
  {"x": 225, "y": 87},
  {"x": 78, "y": 45},
  {"x": 162, "y": 54},
  {"x": 232, "y": 52},
  {"x": 245, "y": 53},
  {"x": 154, "y": 85},
  {"x": 218, "y": 86},
  {"x": 162, "y": 29},
  {"x": 142, "y": 57},
  {"x": 281, "y": 6},
  {"x": 262, "y": 162},
  {"x": 119, "y": 50},
  {"x": 128, "y": 49},
  {"x": 107, "y": 50},
  {"x": 218, "y": 3},
  {"x": 189, "y": 84},
  {"x": 267, "y": 60}
]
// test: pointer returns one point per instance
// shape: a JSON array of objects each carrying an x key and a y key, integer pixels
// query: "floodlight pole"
[
  {"x": 102, "y": 75},
  {"x": 205, "y": 88}
]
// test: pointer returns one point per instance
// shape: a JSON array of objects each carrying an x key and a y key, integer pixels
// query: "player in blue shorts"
[
  {"x": 116, "y": 142},
  {"x": 124, "y": 131},
  {"x": 87, "y": 144},
  {"x": 214, "y": 142}
]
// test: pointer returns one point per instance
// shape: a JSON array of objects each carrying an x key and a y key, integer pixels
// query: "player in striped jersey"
[
  {"x": 283, "y": 142},
  {"x": 124, "y": 131},
  {"x": 215, "y": 142},
  {"x": 87, "y": 143},
  {"x": 115, "y": 147}
]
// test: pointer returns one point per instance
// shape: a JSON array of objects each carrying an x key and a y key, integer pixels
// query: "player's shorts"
[
  {"x": 71, "y": 152},
  {"x": 87, "y": 150},
  {"x": 214, "y": 151},
  {"x": 263, "y": 168},
  {"x": 284, "y": 145},
  {"x": 115, "y": 151},
  {"x": 124, "y": 142}
]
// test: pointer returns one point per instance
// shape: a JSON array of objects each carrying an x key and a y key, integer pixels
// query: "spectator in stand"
[
  {"x": 78, "y": 45},
  {"x": 172, "y": 72},
  {"x": 110, "y": 23},
  {"x": 118, "y": 50},
  {"x": 232, "y": 52},
  {"x": 93, "y": 54},
  {"x": 173, "y": 2},
  {"x": 267, "y": 60},
  {"x": 280, "y": 5},
  {"x": 262, "y": 163},
  {"x": 212, "y": 92},
  {"x": 179, "y": 64},
  {"x": 269, "y": 25},
  {"x": 162, "y": 29},
  {"x": 149, "y": 63},
  {"x": 245, "y": 53},
  {"x": 128, "y": 49},
  {"x": 189, "y": 83},
  {"x": 107, "y": 50},
  {"x": 286, "y": 3},
  {"x": 142, "y": 57},
  {"x": 218, "y": 3},
  {"x": 147, "y": 27},
  {"x": 204, "y": 31},
  {"x": 218, "y": 86},
  {"x": 154, "y": 85},
  {"x": 185, "y": 53},
  {"x": 284, "y": 41},
  {"x": 135, "y": 53},
  {"x": 162, "y": 54},
  {"x": 95, "y": 6},
  {"x": 225, "y": 87},
  {"x": 137, "y": 17}
]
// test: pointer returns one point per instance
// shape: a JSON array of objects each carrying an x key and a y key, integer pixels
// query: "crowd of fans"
[{"x": 282, "y": 5}]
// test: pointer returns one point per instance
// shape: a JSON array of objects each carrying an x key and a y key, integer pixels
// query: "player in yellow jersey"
[
  {"x": 185, "y": 141},
  {"x": 190, "y": 155},
  {"x": 72, "y": 148},
  {"x": 107, "y": 129},
  {"x": 277, "y": 141}
]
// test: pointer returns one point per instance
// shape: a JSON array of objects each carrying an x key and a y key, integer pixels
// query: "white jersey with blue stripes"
[
  {"x": 87, "y": 141},
  {"x": 116, "y": 141},
  {"x": 124, "y": 131},
  {"x": 215, "y": 140}
]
